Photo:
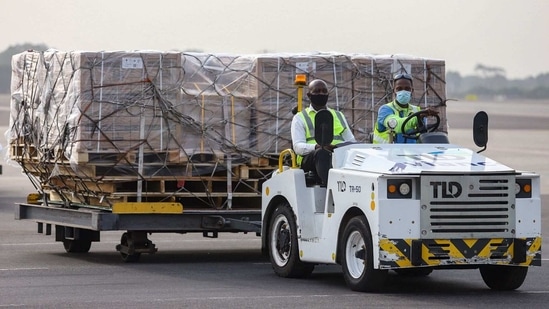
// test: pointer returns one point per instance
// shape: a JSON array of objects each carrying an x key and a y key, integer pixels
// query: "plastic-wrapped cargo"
[
  {"x": 83, "y": 121},
  {"x": 86, "y": 102},
  {"x": 96, "y": 128}
]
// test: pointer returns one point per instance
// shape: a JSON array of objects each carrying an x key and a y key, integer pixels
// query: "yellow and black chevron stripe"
[{"x": 396, "y": 253}]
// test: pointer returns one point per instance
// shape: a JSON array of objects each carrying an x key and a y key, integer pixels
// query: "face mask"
[
  {"x": 319, "y": 99},
  {"x": 403, "y": 97}
]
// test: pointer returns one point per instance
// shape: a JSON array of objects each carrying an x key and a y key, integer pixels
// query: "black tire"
[
  {"x": 80, "y": 245},
  {"x": 77, "y": 246},
  {"x": 128, "y": 258},
  {"x": 503, "y": 278},
  {"x": 357, "y": 261},
  {"x": 283, "y": 248},
  {"x": 414, "y": 272}
]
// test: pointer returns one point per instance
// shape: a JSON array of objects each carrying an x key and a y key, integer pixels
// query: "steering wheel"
[{"x": 421, "y": 127}]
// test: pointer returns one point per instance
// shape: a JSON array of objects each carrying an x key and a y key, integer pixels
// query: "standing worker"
[
  {"x": 391, "y": 116},
  {"x": 311, "y": 156}
]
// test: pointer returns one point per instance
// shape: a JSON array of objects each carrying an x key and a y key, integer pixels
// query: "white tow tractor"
[{"x": 410, "y": 208}]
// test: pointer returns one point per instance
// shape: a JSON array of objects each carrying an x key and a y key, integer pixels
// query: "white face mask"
[{"x": 403, "y": 97}]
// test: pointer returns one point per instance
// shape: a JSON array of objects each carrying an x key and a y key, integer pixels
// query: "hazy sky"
[{"x": 511, "y": 34}]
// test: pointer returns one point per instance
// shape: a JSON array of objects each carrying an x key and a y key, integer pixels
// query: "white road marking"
[{"x": 26, "y": 268}]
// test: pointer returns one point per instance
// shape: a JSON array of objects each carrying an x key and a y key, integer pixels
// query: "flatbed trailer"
[{"x": 77, "y": 228}]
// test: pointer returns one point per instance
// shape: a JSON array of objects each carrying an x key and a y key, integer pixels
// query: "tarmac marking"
[
  {"x": 26, "y": 268},
  {"x": 30, "y": 244}
]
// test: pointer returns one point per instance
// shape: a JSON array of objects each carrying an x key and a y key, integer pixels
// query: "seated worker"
[
  {"x": 309, "y": 153},
  {"x": 388, "y": 127}
]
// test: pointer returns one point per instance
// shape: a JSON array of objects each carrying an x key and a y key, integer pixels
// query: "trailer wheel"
[
  {"x": 503, "y": 278},
  {"x": 357, "y": 262},
  {"x": 81, "y": 244},
  {"x": 283, "y": 248},
  {"x": 77, "y": 246},
  {"x": 126, "y": 242}
]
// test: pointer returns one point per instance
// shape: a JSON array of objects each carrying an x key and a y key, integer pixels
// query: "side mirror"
[
  {"x": 480, "y": 130},
  {"x": 324, "y": 127}
]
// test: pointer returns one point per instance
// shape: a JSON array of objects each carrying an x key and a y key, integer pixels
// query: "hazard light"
[{"x": 300, "y": 79}]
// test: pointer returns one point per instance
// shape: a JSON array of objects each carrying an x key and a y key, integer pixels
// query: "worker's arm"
[
  {"x": 299, "y": 141},
  {"x": 347, "y": 133},
  {"x": 387, "y": 116}
]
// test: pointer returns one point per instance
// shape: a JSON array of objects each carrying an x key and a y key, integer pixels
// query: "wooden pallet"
[
  {"x": 189, "y": 200},
  {"x": 180, "y": 186},
  {"x": 130, "y": 157},
  {"x": 99, "y": 179},
  {"x": 121, "y": 171},
  {"x": 208, "y": 191},
  {"x": 23, "y": 153},
  {"x": 30, "y": 153}
]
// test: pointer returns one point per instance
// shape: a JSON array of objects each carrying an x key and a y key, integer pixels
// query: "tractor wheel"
[
  {"x": 283, "y": 248},
  {"x": 357, "y": 261},
  {"x": 503, "y": 278}
]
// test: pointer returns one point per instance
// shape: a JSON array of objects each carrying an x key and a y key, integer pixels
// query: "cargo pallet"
[{"x": 77, "y": 209}]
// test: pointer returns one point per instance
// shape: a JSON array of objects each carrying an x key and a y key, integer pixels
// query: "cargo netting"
[{"x": 96, "y": 128}]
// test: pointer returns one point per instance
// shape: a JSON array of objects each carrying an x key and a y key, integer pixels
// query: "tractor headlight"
[{"x": 404, "y": 188}]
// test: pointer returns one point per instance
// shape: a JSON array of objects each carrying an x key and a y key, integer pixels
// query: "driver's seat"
[{"x": 433, "y": 138}]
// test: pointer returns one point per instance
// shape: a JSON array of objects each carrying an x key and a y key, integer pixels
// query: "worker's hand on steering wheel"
[
  {"x": 420, "y": 127},
  {"x": 429, "y": 112}
]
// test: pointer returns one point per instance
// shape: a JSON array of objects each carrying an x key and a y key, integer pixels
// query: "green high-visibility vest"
[
  {"x": 308, "y": 117},
  {"x": 384, "y": 137}
]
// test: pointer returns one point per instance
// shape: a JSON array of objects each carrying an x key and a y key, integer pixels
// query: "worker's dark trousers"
[{"x": 319, "y": 162}]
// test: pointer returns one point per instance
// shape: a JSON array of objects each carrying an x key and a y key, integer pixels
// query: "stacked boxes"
[
  {"x": 212, "y": 124},
  {"x": 124, "y": 100},
  {"x": 121, "y": 101},
  {"x": 218, "y": 95},
  {"x": 146, "y": 114},
  {"x": 101, "y": 102}
]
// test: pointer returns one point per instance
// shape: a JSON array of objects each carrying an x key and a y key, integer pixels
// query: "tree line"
[
  {"x": 496, "y": 87},
  {"x": 488, "y": 83}
]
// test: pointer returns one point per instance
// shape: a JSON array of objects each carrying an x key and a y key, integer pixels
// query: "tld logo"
[
  {"x": 450, "y": 189},
  {"x": 341, "y": 186}
]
